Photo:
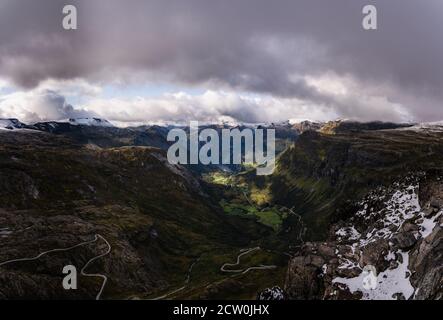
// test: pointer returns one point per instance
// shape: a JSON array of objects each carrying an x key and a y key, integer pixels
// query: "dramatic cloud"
[
  {"x": 42, "y": 104},
  {"x": 285, "y": 51},
  {"x": 215, "y": 106},
  {"x": 38, "y": 105},
  {"x": 210, "y": 106}
]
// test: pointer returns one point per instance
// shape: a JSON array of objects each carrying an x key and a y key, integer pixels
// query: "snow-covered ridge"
[
  {"x": 15, "y": 124},
  {"x": 400, "y": 211},
  {"x": 94, "y": 122},
  {"x": 11, "y": 124},
  {"x": 390, "y": 283},
  {"x": 426, "y": 126}
]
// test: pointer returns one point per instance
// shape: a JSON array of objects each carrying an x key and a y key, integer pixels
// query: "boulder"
[
  {"x": 302, "y": 280},
  {"x": 409, "y": 227},
  {"x": 374, "y": 254},
  {"x": 326, "y": 251},
  {"x": 274, "y": 293},
  {"x": 404, "y": 240}
]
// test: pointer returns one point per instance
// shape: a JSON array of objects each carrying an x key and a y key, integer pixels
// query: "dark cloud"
[{"x": 250, "y": 45}]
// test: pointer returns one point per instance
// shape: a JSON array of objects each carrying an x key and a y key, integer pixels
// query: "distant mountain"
[
  {"x": 343, "y": 125},
  {"x": 94, "y": 122},
  {"x": 344, "y": 195},
  {"x": 340, "y": 126},
  {"x": 307, "y": 125},
  {"x": 428, "y": 126},
  {"x": 11, "y": 124}
]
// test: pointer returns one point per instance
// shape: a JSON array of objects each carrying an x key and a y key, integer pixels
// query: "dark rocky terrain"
[
  {"x": 343, "y": 196},
  {"x": 57, "y": 191},
  {"x": 367, "y": 198},
  {"x": 398, "y": 230}
]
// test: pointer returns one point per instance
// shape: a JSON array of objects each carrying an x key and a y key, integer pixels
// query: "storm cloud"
[{"x": 285, "y": 49}]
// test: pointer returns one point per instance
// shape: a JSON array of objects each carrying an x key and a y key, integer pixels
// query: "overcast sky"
[{"x": 250, "y": 60}]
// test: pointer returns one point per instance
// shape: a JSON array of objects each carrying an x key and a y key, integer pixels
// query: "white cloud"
[
  {"x": 343, "y": 98},
  {"x": 338, "y": 97},
  {"x": 38, "y": 105},
  {"x": 211, "y": 106},
  {"x": 287, "y": 51}
]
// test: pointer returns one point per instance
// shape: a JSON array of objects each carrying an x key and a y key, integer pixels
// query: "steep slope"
[
  {"x": 320, "y": 175},
  {"x": 366, "y": 199},
  {"x": 56, "y": 193},
  {"x": 394, "y": 239}
]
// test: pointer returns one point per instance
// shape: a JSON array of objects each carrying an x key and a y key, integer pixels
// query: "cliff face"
[
  {"x": 320, "y": 176},
  {"x": 396, "y": 230},
  {"x": 369, "y": 199}
]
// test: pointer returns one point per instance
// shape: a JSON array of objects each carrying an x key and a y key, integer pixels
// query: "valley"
[{"x": 190, "y": 232}]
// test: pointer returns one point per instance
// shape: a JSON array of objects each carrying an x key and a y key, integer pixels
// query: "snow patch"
[
  {"x": 389, "y": 283},
  {"x": 435, "y": 126},
  {"x": 429, "y": 224},
  {"x": 402, "y": 205},
  {"x": 10, "y": 124},
  {"x": 93, "y": 122},
  {"x": 349, "y": 233}
]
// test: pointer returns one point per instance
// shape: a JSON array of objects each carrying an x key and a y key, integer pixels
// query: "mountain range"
[{"x": 344, "y": 195}]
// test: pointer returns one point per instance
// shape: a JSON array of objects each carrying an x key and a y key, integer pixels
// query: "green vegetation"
[
  {"x": 270, "y": 217},
  {"x": 220, "y": 178},
  {"x": 260, "y": 196},
  {"x": 161, "y": 222}
]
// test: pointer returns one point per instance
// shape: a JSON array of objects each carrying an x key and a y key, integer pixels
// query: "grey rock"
[
  {"x": 374, "y": 254},
  {"x": 404, "y": 240},
  {"x": 426, "y": 259},
  {"x": 302, "y": 281}
]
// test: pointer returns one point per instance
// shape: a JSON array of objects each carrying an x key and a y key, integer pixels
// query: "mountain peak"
[
  {"x": 95, "y": 122},
  {"x": 11, "y": 124}
]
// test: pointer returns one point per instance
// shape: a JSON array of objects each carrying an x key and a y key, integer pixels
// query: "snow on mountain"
[
  {"x": 401, "y": 210},
  {"x": 11, "y": 124},
  {"x": 426, "y": 126},
  {"x": 94, "y": 122},
  {"x": 274, "y": 293},
  {"x": 389, "y": 283}
]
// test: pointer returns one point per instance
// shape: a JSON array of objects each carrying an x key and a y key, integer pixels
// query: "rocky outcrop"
[
  {"x": 392, "y": 233},
  {"x": 426, "y": 261},
  {"x": 303, "y": 281},
  {"x": 274, "y": 293},
  {"x": 306, "y": 125}
]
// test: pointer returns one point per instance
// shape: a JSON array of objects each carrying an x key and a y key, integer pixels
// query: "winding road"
[
  {"x": 169, "y": 294},
  {"x": 187, "y": 280},
  {"x": 302, "y": 225},
  {"x": 243, "y": 271},
  {"x": 105, "y": 278},
  {"x": 96, "y": 237},
  {"x": 222, "y": 268}
]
